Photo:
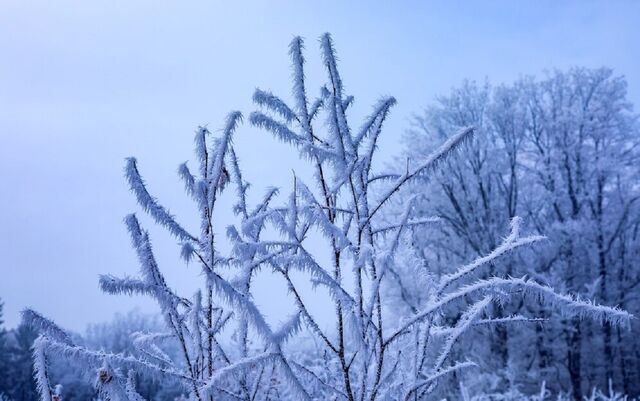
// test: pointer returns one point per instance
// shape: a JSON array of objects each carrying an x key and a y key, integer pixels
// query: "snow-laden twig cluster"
[{"x": 364, "y": 356}]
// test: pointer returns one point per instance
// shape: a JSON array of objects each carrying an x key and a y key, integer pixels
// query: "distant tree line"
[{"x": 16, "y": 365}]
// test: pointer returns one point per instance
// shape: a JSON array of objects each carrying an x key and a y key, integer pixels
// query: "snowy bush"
[{"x": 368, "y": 355}]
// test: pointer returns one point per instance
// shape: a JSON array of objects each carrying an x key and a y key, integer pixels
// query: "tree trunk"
[{"x": 574, "y": 364}]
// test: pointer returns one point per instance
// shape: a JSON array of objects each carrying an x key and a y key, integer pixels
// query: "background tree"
[
  {"x": 563, "y": 152},
  {"x": 23, "y": 385},
  {"x": 5, "y": 380}
]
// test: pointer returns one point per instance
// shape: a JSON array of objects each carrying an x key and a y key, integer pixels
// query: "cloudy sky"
[{"x": 84, "y": 84}]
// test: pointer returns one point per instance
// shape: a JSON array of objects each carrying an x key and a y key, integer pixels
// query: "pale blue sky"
[{"x": 83, "y": 84}]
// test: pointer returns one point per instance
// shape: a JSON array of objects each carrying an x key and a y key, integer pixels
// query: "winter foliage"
[{"x": 367, "y": 355}]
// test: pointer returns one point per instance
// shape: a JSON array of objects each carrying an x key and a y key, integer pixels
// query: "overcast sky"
[{"x": 84, "y": 84}]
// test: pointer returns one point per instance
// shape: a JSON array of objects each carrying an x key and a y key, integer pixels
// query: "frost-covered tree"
[
  {"x": 562, "y": 151},
  {"x": 331, "y": 230}
]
